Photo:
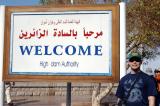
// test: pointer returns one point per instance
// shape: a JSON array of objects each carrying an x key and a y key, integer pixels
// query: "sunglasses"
[{"x": 135, "y": 59}]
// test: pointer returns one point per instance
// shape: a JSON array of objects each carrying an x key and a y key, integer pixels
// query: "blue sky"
[
  {"x": 19, "y": 2},
  {"x": 32, "y": 2}
]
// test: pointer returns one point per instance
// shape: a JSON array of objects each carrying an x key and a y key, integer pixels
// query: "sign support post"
[
  {"x": 122, "y": 39},
  {"x": 69, "y": 84},
  {"x": 2, "y": 12},
  {"x": 68, "y": 96}
]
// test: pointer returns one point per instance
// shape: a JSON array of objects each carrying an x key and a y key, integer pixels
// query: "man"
[{"x": 136, "y": 88}]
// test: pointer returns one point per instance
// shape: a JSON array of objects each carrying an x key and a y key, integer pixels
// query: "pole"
[
  {"x": 122, "y": 39},
  {"x": 68, "y": 97},
  {"x": 2, "y": 15},
  {"x": 71, "y": 2}
]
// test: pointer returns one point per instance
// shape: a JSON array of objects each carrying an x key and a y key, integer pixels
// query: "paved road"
[{"x": 50, "y": 101}]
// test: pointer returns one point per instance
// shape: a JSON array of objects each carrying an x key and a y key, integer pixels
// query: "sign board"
[{"x": 63, "y": 43}]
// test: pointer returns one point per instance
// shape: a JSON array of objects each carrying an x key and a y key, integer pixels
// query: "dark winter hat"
[{"x": 134, "y": 55}]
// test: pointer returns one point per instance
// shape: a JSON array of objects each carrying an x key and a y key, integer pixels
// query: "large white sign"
[{"x": 61, "y": 43}]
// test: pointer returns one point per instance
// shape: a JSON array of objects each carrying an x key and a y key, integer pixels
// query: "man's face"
[{"x": 135, "y": 63}]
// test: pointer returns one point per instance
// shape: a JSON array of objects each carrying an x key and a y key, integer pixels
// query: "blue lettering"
[
  {"x": 98, "y": 50},
  {"x": 84, "y": 51},
  {"x": 55, "y": 50},
  {"x": 60, "y": 50},
  {"x": 25, "y": 49},
  {"x": 73, "y": 50},
  {"x": 38, "y": 50},
  {"x": 46, "y": 51}
]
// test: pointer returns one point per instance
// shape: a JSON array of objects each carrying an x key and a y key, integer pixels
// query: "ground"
[{"x": 50, "y": 101}]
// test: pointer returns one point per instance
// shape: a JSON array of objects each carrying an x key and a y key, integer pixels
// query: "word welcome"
[{"x": 60, "y": 50}]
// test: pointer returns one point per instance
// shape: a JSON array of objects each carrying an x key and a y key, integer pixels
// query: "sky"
[
  {"x": 19, "y": 2},
  {"x": 31, "y": 2}
]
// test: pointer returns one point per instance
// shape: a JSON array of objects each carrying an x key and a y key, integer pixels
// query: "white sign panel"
[{"x": 61, "y": 43}]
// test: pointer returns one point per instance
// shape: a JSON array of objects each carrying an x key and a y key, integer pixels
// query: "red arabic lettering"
[
  {"x": 98, "y": 34},
  {"x": 87, "y": 34},
  {"x": 65, "y": 34},
  {"x": 39, "y": 33}
]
